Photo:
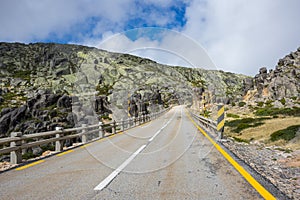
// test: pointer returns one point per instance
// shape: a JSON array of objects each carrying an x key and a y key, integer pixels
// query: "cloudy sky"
[{"x": 238, "y": 36}]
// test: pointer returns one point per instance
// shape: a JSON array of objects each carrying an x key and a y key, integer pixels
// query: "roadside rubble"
[{"x": 281, "y": 167}]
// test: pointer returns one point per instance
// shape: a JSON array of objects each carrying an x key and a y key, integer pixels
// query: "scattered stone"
[
  {"x": 46, "y": 153},
  {"x": 5, "y": 165},
  {"x": 36, "y": 151},
  {"x": 272, "y": 164}
]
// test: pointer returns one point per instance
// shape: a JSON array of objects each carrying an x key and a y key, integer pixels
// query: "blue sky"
[{"x": 238, "y": 36}]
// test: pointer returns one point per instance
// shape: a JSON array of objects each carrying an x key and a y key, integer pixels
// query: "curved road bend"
[{"x": 167, "y": 158}]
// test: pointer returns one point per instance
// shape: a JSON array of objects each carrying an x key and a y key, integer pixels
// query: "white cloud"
[
  {"x": 170, "y": 47},
  {"x": 34, "y": 20},
  {"x": 242, "y": 36},
  {"x": 27, "y": 20}
]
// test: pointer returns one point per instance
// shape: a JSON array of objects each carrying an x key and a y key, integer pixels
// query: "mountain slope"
[{"x": 41, "y": 83}]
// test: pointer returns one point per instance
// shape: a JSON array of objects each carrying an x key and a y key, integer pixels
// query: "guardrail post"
[
  {"x": 101, "y": 132},
  {"x": 114, "y": 127},
  {"x": 130, "y": 122},
  {"x": 59, "y": 143},
  {"x": 220, "y": 121},
  {"x": 84, "y": 137},
  {"x": 122, "y": 125},
  {"x": 16, "y": 156},
  {"x": 23, "y": 150}
]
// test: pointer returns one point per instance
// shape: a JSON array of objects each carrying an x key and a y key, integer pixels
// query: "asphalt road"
[{"x": 167, "y": 158}]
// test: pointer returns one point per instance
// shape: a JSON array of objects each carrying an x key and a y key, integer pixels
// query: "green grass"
[
  {"x": 232, "y": 115},
  {"x": 106, "y": 117},
  {"x": 107, "y": 128},
  {"x": 278, "y": 111},
  {"x": 104, "y": 89},
  {"x": 284, "y": 150},
  {"x": 240, "y": 124},
  {"x": 242, "y": 104},
  {"x": 9, "y": 96},
  {"x": 294, "y": 98},
  {"x": 269, "y": 103},
  {"x": 241, "y": 140},
  {"x": 28, "y": 155},
  {"x": 285, "y": 134},
  {"x": 51, "y": 107},
  {"x": 22, "y": 74},
  {"x": 283, "y": 101},
  {"x": 260, "y": 104},
  {"x": 49, "y": 147},
  {"x": 205, "y": 113}
]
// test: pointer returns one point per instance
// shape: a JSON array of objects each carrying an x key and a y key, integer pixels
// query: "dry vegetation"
[{"x": 261, "y": 128}]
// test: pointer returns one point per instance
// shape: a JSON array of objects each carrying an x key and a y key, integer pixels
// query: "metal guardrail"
[
  {"x": 17, "y": 142},
  {"x": 207, "y": 123}
]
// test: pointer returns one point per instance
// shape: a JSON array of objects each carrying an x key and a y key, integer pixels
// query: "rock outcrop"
[
  {"x": 42, "y": 84},
  {"x": 281, "y": 83}
]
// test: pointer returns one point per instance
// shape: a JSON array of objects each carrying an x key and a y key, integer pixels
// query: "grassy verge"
[
  {"x": 232, "y": 115},
  {"x": 240, "y": 124},
  {"x": 285, "y": 134},
  {"x": 268, "y": 111},
  {"x": 241, "y": 140}
]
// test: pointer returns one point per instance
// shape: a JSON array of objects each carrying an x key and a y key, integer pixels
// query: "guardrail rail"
[
  {"x": 206, "y": 123},
  {"x": 18, "y": 142}
]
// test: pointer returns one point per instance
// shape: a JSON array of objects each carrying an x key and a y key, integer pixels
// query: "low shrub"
[
  {"x": 240, "y": 140},
  {"x": 49, "y": 147},
  {"x": 260, "y": 104},
  {"x": 232, "y": 115},
  {"x": 285, "y": 134},
  {"x": 242, "y": 104},
  {"x": 206, "y": 113},
  {"x": 269, "y": 103},
  {"x": 106, "y": 117},
  {"x": 241, "y": 124},
  {"x": 28, "y": 155},
  {"x": 295, "y": 111},
  {"x": 282, "y": 101},
  {"x": 294, "y": 98}
]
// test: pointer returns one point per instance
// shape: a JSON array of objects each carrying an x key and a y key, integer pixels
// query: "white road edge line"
[
  {"x": 108, "y": 179},
  {"x": 166, "y": 124}
]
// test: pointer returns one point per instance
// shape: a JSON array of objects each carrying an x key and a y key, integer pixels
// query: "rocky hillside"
[
  {"x": 48, "y": 85},
  {"x": 281, "y": 85}
]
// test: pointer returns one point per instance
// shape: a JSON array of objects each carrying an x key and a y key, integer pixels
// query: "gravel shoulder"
[{"x": 281, "y": 168}]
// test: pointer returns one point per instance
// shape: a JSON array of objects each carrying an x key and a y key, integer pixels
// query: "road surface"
[{"x": 167, "y": 158}]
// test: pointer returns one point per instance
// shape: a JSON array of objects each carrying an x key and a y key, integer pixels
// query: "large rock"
[
  {"x": 5, "y": 111},
  {"x": 283, "y": 82},
  {"x": 17, "y": 115},
  {"x": 64, "y": 102},
  {"x": 263, "y": 70},
  {"x": 4, "y": 124}
]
